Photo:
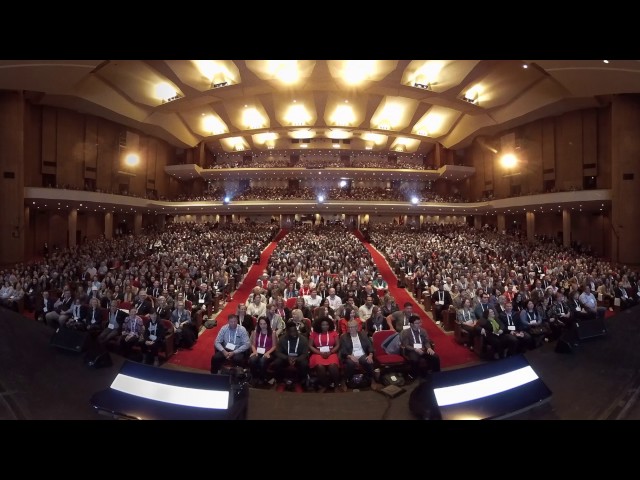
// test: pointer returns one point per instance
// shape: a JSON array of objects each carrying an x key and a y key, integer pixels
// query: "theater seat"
[
  {"x": 291, "y": 303},
  {"x": 383, "y": 359}
]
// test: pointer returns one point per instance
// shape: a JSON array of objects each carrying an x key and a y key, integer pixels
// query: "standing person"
[
  {"x": 231, "y": 344},
  {"x": 263, "y": 344},
  {"x": 417, "y": 348}
]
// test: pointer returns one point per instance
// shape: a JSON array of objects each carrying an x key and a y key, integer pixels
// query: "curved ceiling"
[{"x": 380, "y": 105}]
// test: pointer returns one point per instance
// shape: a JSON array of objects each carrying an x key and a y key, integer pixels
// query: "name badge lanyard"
[
  {"x": 295, "y": 350},
  {"x": 264, "y": 344},
  {"x": 320, "y": 340},
  {"x": 234, "y": 336},
  {"x": 418, "y": 340}
]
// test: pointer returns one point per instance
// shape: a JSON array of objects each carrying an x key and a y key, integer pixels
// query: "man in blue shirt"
[{"x": 232, "y": 345}]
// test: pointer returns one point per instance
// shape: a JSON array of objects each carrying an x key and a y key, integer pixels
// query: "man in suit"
[
  {"x": 441, "y": 299},
  {"x": 417, "y": 348},
  {"x": 162, "y": 309},
  {"x": 143, "y": 303},
  {"x": 153, "y": 337},
  {"x": 356, "y": 350},
  {"x": 47, "y": 306}
]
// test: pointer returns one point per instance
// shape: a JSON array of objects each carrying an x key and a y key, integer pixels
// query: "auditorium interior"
[{"x": 127, "y": 181}]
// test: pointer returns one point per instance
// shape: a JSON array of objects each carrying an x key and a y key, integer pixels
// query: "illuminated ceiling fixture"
[
  {"x": 357, "y": 71},
  {"x": 426, "y": 76},
  {"x": 284, "y": 70},
  {"x": 166, "y": 92},
  {"x": 239, "y": 147},
  {"x": 215, "y": 73},
  {"x": 429, "y": 125},
  {"x": 297, "y": 115},
  {"x": 471, "y": 95},
  {"x": 400, "y": 148},
  {"x": 213, "y": 125},
  {"x": 252, "y": 118},
  {"x": 374, "y": 138},
  {"x": 390, "y": 116},
  {"x": 343, "y": 116}
]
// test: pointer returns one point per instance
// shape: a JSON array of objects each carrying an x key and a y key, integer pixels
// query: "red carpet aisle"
[
  {"x": 200, "y": 355},
  {"x": 451, "y": 354}
]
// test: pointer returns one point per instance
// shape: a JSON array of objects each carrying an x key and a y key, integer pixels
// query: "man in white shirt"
[
  {"x": 356, "y": 350},
  {"x": 335, "y": 302},
  {"x": 590, "y": 303},
  {"x": 313, "y": 299},
  {"x": 366, "y": 309}
]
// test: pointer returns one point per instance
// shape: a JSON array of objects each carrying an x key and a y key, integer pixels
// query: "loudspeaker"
[
  {"x": 70, "y": 339},
  {"x": 590, "y": 329},
  {"x": 97, "y": 359}
]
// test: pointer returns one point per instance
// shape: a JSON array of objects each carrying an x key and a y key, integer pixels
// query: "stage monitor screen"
[
  {"x": 145, "y": 392},
  {"x": 489, "y": 391}
]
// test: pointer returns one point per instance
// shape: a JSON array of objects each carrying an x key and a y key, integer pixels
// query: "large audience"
[{"x": 320, "y": 285}]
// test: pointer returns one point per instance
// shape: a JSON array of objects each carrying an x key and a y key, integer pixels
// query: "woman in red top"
[{"x": 324, "y": 344}]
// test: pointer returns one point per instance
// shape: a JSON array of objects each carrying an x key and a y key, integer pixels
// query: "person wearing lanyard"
[
  {"x": 441, "y": 299},
  {"x": 534, "y": 324},
  {"x": 115, "y": 318},
  {"x": 399, "y": 320},
  {"x": 417, "y": 349},
  {"x": 467, "y": 320},
  {"x": 356, "y": 350},
  {"x": 263, "y": 344},
  {"x": 292, "y": 352},
  {"x": 153, "y": 340},
  {"x": 324, "y": 344},
  {"x": 132, "y": 331},
  {"x": 93, "y": 317},
  {"x": 559, "y": 315},
  {"x": 231, "y": 345},
  {"x": 376, "y": 322},
  {"x": 514, "y": 326},
  {"x": 76, "y": 321}
]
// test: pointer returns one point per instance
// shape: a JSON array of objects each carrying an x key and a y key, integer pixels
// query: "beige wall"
[
  {"x": 625, "y": 126},
  {"x": 12, "y": 227},
  {"x": 562, "y": 145},
  {"x": 75, "y": 142}
]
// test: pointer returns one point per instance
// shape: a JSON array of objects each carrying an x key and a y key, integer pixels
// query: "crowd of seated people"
[
  {"x": 319, "y": 161},
  {"x": 309, "y": 193},
  {"x": 500, "y": 284},
  {"x": 177, "y": 274},
  {"x": 318, "y": 279}
]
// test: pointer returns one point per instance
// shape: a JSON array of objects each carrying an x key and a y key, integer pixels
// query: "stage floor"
[{"x": 600, "y": 380}]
